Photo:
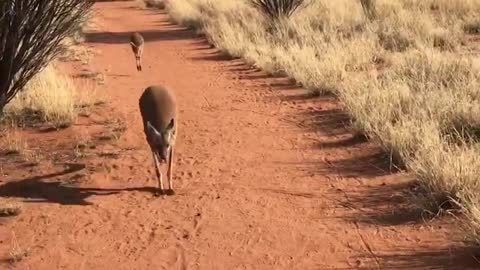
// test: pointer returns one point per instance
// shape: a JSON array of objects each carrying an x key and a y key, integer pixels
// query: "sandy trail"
[{"x": 265, "y": 177}]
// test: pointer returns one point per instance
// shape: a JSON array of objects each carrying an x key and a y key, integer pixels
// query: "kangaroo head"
[{"x": 161, "y": 140}]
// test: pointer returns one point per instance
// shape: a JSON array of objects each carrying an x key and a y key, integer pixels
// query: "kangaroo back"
[{"x": 136, "y": 39}]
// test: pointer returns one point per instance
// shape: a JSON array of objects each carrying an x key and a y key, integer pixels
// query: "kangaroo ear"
[
  {"x": 153, "y": 132},
  {"x": 171, "y": 124}
]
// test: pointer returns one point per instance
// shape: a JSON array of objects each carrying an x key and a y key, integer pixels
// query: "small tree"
[
  {"x": 275, "y": 9},
  {"x": 30, "y": 36}
]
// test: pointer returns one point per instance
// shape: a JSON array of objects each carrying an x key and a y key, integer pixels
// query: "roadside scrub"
[{"x": 401, "y": 69}]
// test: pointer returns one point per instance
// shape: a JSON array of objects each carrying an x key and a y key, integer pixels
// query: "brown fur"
[
  {"x": 158, "y": 107},
  {"x": 137, "y": 42}
]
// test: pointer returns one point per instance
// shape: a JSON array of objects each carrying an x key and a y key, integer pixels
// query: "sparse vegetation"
[
  {"x": 17, "y": 253},
  {"x": 115, "y": 128},
  {"x": 12, "y": 144},
  {"x": 48, "y": 97},
  {"x": 9, "y": 209},
  {"x": 400, "y": 71},
  {"x": 53, "y": 98},
  {"x": 31, "y": 32}
]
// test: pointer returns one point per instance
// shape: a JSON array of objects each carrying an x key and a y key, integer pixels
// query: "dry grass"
[
  {"x": 402, "y": 71},
  {"x": 12, "y": 143},
  {"x": 83, "y": 141},
  {"x": 53, "y": 98},
  {"x": 17, "y": 253},
  {"x": 8, "y": 209},
  {"x": 48, "y": 97},
  {"x": 75, "y": 51},
  {"x": 115, "y": 127}
]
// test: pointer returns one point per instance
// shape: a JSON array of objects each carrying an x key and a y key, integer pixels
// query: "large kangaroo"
[
  {"x": 158, "y": 107},
  {"x": 137, "y": 42}
]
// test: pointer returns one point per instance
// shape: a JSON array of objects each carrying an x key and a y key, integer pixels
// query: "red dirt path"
[{"x": 266, "y": 178}]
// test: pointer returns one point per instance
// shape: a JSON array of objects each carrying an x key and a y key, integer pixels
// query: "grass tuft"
[
  {"x": 48, "y": 97},
  {"x": 52, "y": 98}
]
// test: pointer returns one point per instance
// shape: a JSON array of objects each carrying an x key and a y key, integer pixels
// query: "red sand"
[{"x": 266, "y": 178}]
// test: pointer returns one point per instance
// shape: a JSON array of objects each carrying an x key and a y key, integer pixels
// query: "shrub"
[
  {"x": 276, "y": 9},
  {"x": 31, "y": 32}
]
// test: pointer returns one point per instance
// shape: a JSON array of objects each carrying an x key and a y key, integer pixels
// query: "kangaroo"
[
  {"x": 137, "y": 42},
  {"x": 158, "y": 108}
]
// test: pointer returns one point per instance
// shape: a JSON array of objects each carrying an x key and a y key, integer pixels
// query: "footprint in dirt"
[
  {"x": 176, "y": 257},
  {"x": 197, "y": 223},
  {"x": 185, "y": 234},
  {"x": 187, "y": 174},
  {"x": 181, "y": 261}
]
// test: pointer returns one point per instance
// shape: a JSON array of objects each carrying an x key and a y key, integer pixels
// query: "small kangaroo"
[
  {"x": 137, "y": 42},
  {"x": 158, "y": 107}
]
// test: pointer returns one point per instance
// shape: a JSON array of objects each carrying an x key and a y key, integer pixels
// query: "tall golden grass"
[
  {"x": 405, "y": 74},
  {"x": 51, "y": 97}
]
